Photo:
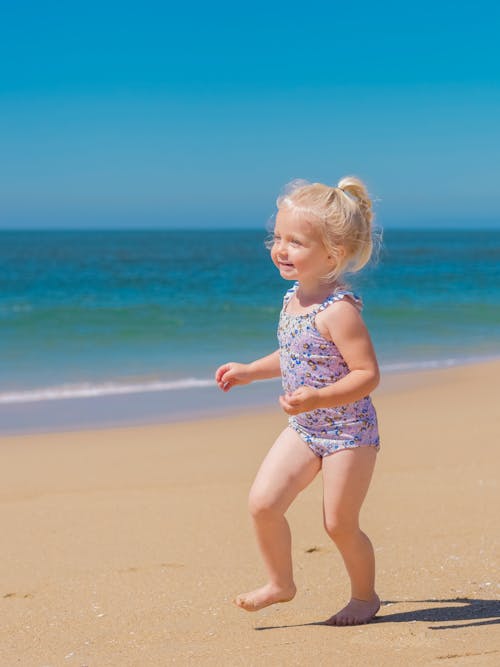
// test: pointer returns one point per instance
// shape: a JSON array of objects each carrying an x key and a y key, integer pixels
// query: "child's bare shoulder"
[{"x": 342, "y": 317}]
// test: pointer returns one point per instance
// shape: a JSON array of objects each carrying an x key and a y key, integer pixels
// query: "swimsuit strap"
[
  {"x": 289, "y": 293},
  {"x": 338, "y": 295}
]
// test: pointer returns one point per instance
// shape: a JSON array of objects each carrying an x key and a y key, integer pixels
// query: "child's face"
[{"x": 298, "y": 250}]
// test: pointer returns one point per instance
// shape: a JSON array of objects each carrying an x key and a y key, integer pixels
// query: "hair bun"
[{"x": 355, "y": 188}]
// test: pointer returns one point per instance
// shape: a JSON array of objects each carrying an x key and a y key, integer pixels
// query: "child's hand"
[
  {"x": 230, "y": 374},
  {"x": 302, "y": 399}
]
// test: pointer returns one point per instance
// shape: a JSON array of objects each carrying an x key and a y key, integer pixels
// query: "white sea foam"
[
  {"x": 422, "y": 365},
  {"x": 401, "y": 367},
  {"x": 86, "y": 390}
]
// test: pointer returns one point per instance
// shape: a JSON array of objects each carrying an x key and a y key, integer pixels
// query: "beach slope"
[{"x": 125, "y": 547}]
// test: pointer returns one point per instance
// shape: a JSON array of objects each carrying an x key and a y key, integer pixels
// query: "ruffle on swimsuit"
[{"x": 307, "y": 358}]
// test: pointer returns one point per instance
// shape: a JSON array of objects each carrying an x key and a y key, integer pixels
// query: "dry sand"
[{"x": 125, "y": 547}]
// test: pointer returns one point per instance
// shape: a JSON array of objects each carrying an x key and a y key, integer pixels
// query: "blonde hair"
[{"x": 344, "y": 215}]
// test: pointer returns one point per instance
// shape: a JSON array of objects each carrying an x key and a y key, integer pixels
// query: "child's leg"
[
  {"x": 346, "y": 477},
  {"x": 287, "y": 469}
]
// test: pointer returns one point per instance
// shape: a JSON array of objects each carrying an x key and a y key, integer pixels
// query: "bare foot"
[
  {"x": 356, "y": 612},
  {"x": 263, "y": 597}
]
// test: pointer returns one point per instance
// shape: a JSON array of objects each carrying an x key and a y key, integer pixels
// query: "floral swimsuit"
[{"x": 307, "y": 358}]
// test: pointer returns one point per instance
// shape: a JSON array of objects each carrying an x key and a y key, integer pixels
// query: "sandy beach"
[{"x": 124, "y": 547}]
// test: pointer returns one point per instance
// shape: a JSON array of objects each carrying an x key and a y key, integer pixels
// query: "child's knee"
[
  {"x": 261, "y": 504},
  {"x": 339, "y": 527}
]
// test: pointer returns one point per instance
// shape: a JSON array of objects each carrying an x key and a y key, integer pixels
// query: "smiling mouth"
[{"x": 286, "y": 265}]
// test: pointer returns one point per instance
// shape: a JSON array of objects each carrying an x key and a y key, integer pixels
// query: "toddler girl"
[{"x": 328, "y": 368}]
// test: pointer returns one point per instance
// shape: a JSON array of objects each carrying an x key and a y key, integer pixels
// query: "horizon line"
[{"x": 439, "y": 226}]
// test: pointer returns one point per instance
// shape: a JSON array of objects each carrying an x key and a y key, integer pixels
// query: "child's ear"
[{"x": 338, "y": 255}]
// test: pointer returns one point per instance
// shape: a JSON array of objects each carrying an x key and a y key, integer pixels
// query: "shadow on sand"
[{"x": 477, "y": 612}]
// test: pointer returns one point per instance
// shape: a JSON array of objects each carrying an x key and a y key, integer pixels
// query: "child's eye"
[{"x": 295, "y": 242}]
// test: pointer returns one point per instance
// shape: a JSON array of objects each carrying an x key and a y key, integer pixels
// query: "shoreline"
[
  {"x": 124, "y": 386},
  {"x": 126, "y": 545},
  {"x": 130, "y": 410}
]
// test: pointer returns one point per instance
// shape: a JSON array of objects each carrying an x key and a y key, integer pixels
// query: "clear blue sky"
[{"x": 152, "y": 114}]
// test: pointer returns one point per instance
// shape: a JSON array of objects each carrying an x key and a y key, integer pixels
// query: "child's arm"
[
  {"x": 230, "y": 374},
  {"x": 343, "y": 324}
]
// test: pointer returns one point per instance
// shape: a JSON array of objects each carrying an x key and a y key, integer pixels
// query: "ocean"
[{"x": 145, "y": 317}]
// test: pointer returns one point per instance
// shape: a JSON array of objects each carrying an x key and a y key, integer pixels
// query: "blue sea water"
[{"x": 95, "y": 313}]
